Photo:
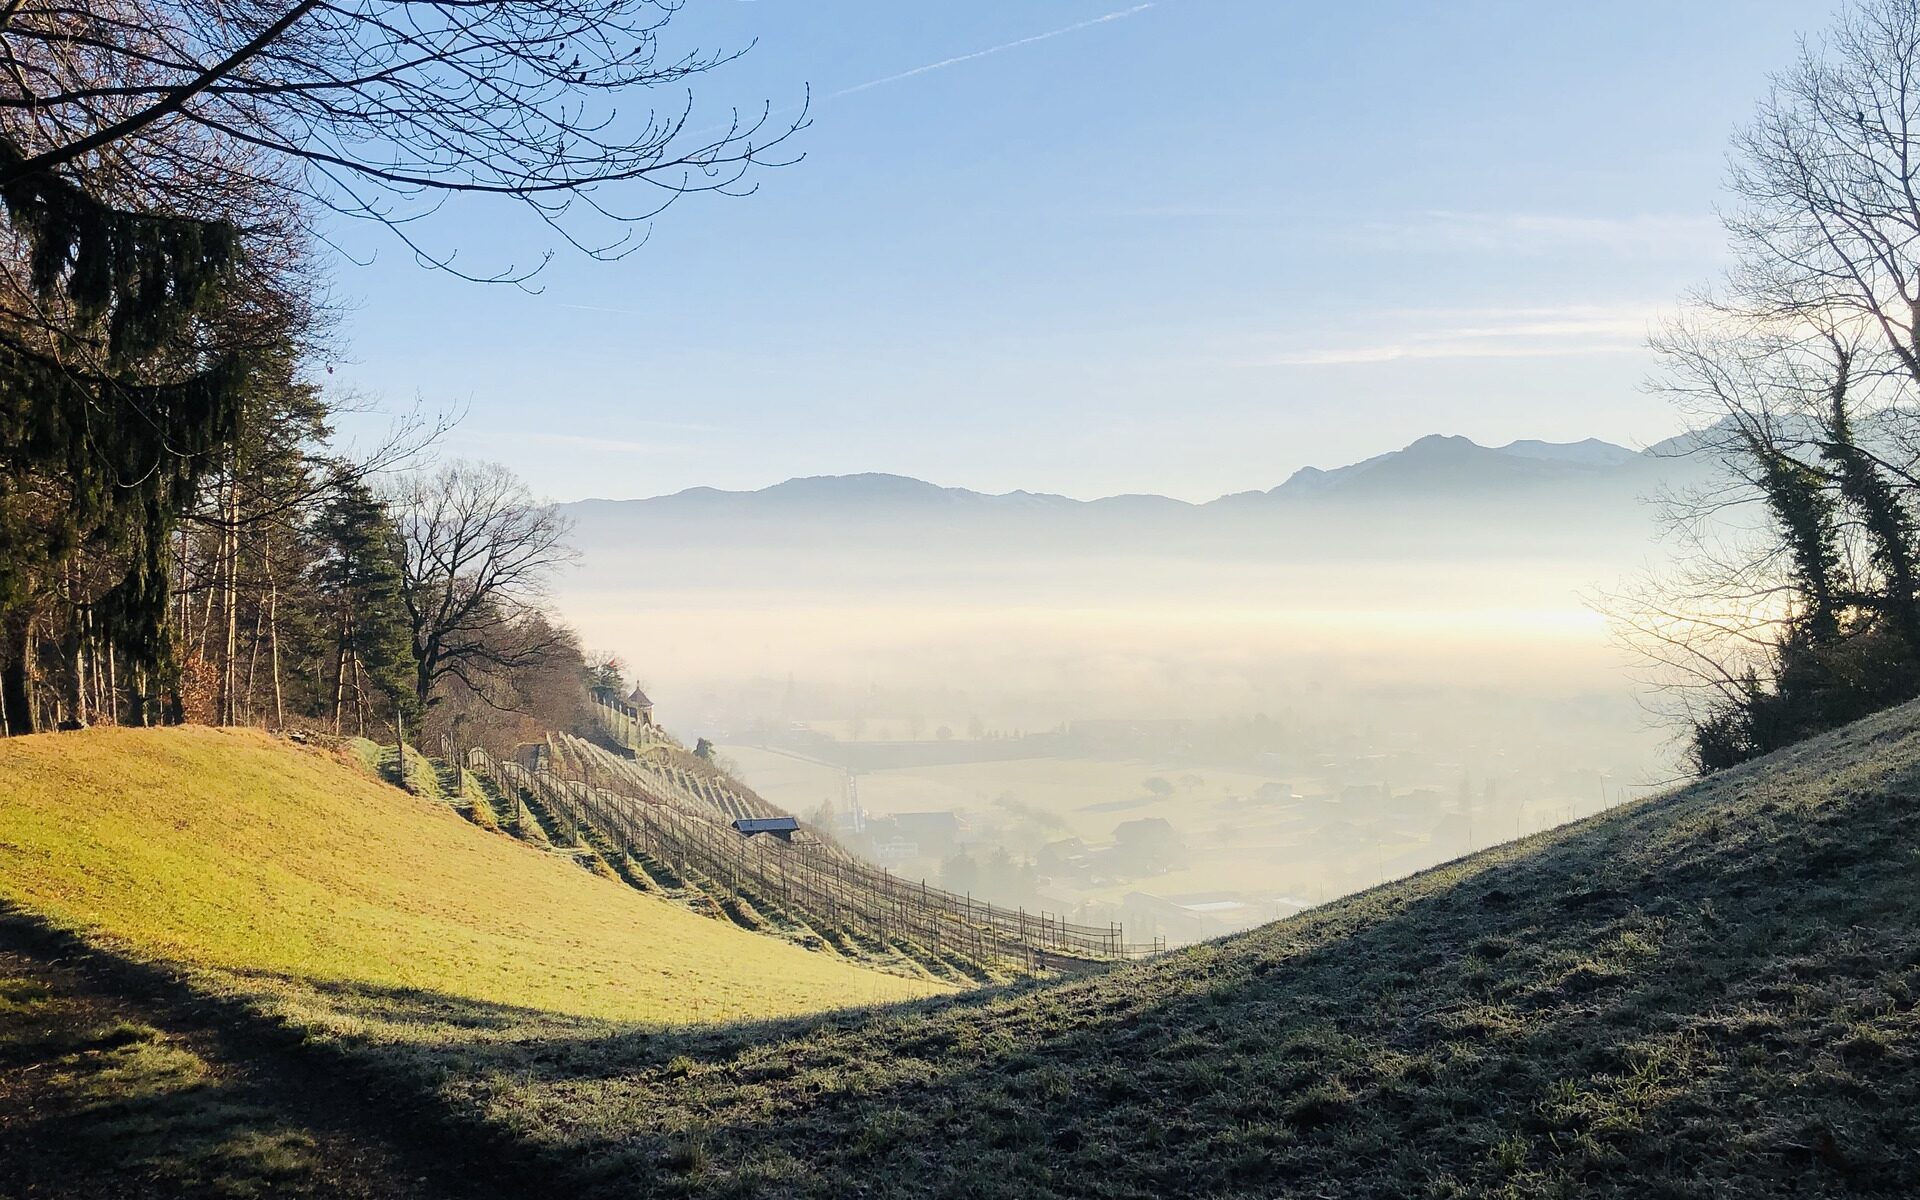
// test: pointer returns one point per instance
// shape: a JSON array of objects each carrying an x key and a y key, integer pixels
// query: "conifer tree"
[
  {"x": 362, "y": 578},
  {"x": 111, "y": 409}
]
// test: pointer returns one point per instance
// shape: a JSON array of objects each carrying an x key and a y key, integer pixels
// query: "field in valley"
[{"x": 1276, "y": 855}]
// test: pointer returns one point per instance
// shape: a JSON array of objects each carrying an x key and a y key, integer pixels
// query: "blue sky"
[{"x": 1184, "y": 249}]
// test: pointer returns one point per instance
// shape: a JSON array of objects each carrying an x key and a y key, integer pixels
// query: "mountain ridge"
[{"x": 1431, "y": 462}]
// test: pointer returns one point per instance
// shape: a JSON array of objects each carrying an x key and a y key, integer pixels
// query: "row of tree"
[
  {"x": 1797, "y": 604},
  {"x": 177, "y": 539},
  {"x": 308, "y": 591}
]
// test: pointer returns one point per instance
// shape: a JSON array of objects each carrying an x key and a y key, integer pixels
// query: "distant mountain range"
[
  {"x": 1439, "y": 500},
  {"x": 1434, "y": 468},
  {"x": 903, "y": 567}
]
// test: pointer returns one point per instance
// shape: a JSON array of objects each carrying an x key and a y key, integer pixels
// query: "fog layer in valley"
[{"x": 1188, "y": 717}]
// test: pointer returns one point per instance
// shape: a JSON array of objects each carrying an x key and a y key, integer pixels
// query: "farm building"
[{"x": 781, "y": 827}]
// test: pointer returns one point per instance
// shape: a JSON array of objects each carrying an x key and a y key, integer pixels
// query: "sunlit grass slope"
[{"x": 231, "y": 851}]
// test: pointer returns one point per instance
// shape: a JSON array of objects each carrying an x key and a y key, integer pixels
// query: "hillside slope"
[
  {"x": 1709, "y": 994},
  {"x": 292, "y": 873}
]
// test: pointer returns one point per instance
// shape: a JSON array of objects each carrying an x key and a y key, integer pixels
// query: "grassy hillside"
[
  {"x": 292, "y": 872},
  {"x": 1711, "y": 994}
]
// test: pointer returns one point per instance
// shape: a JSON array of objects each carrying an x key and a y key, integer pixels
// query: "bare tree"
[
  {"x": 1796, "y": 603},
  {"x": 1827, "y": 190},
  {"x": 384, "y": 109},
  {"x": 478, "y": 554}
]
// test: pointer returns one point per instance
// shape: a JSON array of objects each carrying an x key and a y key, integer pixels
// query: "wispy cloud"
[
  {"x": 956, "y": 60},
  {"x": 1562, "y": 332},
  {"x": 1640, "y": 235},
  {"x": 1533, "y": 233},
  {"x": 1190, "y": 211}
]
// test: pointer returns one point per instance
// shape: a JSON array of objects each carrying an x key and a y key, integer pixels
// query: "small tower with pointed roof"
[{"x": 643, "y": 706}]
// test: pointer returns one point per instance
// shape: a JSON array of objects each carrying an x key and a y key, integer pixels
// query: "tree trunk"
[
  {"x": 228, "y": 670},
  {"x": 426, "y": 662},
  {"x": 100, "y": 699},
  {"x": 78, "y": 710},
  {"x": 178, "y": 569},
  {"x": 340, "y": 681},
  {"x": 273, "y": 638},
  {"x": 253, "y": 658},
  {"x": 16, "y": 677},
  {"x": 206, "y": 610}
]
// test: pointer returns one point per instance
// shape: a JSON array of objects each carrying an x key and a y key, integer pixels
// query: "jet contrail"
[
  {"x": 618, "y": 312},
  {"x": 1013, "y": 45}
]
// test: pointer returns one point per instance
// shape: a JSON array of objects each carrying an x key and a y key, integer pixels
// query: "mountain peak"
[
  {"x": 867, "y": 484},
  {"x": 1591, "y": 452}
]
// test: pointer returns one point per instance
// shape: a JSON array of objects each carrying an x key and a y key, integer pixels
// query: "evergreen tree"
[
  {"x": 111, "y": 409},
  {"x": 361, "y": 578}
]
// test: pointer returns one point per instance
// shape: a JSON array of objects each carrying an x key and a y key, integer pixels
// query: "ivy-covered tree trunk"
[
  {"x": 1883, "y": 514},
  {"x": 1804, "y": 513}
]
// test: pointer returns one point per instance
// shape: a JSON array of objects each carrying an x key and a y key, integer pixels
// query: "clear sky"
[{"x": 1092, "y": 247}]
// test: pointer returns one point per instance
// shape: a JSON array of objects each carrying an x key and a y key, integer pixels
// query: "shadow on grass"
[{"x": 165, "y": 1088}]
